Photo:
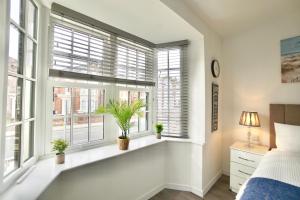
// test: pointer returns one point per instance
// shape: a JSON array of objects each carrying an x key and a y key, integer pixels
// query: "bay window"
[{"x": 88, "y": 67}]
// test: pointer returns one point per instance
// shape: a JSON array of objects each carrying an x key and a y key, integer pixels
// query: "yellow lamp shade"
[{"x": 249, "y": 119}]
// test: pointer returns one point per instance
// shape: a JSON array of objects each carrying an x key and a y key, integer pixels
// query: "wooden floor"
[{"x": 218, "y": 192}]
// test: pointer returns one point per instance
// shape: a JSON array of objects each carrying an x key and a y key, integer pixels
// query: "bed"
[{"x": 278, "y": 174}]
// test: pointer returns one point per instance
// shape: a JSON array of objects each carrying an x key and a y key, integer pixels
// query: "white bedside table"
[{"x": 243, "y": 162}]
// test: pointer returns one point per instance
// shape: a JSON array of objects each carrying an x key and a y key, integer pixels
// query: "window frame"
[
  {"x": 183, "y": 119},
  {"x": 111, "y": 128},
  {"x": 6, "y": 181}
]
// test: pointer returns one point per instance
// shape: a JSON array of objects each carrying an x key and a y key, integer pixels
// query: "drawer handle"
[
  {"x": 245, "y": 173},
  {"x": 240, "y": 184},
  {"x": 246, "y": 159}
]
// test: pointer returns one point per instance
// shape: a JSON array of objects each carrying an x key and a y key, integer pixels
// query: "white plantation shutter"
[
  {"x": 172, "y": 86},
  {"x": 87, "y": 53}
]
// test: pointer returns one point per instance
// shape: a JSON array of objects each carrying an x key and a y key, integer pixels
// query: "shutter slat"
[
  {"x": 171, "y": 87},
  {"x": 77, "y": 49}
]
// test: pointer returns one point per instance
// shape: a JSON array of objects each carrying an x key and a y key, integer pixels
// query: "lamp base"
[{"x": 249, "y": 138}]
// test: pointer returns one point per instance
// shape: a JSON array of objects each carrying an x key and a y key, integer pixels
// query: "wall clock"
[{"x": 215, "y": 68}]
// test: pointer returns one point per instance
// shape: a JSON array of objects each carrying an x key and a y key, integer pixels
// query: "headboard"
[{"x": 285, "y": 114}]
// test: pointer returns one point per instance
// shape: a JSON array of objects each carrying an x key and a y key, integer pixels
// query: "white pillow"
[{"x": 287, "y": 137}]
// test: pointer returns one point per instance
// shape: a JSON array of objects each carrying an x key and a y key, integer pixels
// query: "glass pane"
[
  {"x": 61, "y": 128},
  {"x": 97, "y": 99},
  {"x": 134, "y": 95},
  {"x": 61, "y": 123},
  {"x": 12, "y": 149},
  {"x": 32, "y": 12},
  {"x": 123, "y": 96},
  {"x": 16, "y": 11},
  {"x": 96, "y": 122},
  {"x": 143, "y": 120},
  {"x": 30, "y": 60},
  {"x": 29, "y": 99},
  {"x": 134, "y": 124},
  {"x": 143, "y": 126},
  {"x": 61, "y": 101},
  {"x": 174, "y": 59},
  {"x": 14, "y": 99},
  {"x": 15, "y": 60},
  {"x": 80, "y": 129},
  {"x": 80, "y": 100},
  {"x": 28, "y": 140}
]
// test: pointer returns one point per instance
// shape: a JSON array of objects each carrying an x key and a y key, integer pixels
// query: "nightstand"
[{"x": 243, "y": 162}]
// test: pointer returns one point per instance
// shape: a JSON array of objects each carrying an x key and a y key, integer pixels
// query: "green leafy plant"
[
  {"x": 159, "y": 127},
  {"x": 59, "y": 146},
  {"x": 122, "y": 112}
]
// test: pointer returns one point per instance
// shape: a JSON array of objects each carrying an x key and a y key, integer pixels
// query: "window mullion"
[{"x": 89, "y": 115}]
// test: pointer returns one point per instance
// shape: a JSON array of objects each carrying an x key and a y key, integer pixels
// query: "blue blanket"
[{"x": 269, "y": 189}]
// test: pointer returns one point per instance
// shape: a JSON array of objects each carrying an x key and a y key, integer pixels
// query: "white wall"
[
  {"x": 252, "y": 78},
  {"x": 128, "y": 177},
  {"x": 200, "y": 122}
]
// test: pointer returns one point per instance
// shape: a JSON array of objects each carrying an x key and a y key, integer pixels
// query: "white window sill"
[{"x": 46, "y": 171}]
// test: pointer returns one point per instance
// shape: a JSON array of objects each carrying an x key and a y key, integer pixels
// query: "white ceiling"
[
  {"x": 148, "y": 19},
  {"x": 228, "y": 17}
]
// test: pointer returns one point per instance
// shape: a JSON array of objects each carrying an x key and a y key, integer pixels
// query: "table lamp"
[{"x": 249, "y": 119}]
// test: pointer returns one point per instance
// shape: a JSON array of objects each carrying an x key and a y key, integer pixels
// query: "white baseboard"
[
  {"x": 151, "y": 193},
  {"x": 227, "y": 173},
  {"x": 182, "y": 187},
  {"x": 187, "y": 188},
  {"x": 175, "y": 186},
  {"x": 212, "y": 182},
  {"x": 197, "y": 192}
]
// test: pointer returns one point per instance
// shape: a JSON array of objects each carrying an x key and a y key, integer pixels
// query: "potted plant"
[
  {"x": 60, "y": 146},
  {"x": 122, "y": 112},
  {"x": 159, "y": 127}
]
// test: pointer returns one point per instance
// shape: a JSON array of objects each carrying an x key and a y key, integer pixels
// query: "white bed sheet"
[{"x": 278, "y": 165}]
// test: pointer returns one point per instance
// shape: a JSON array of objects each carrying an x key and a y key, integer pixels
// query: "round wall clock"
[{"x": 215, "y": 68}]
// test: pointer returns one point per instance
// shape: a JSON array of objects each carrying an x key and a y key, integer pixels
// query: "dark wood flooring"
[{"x": 220, "y": 191}]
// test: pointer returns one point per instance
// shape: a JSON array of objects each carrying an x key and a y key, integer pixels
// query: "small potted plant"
[
  {"x": 159, "y": 127},
  {"x": 122, "y": 112},
  {"x": 60, "y": 146}
]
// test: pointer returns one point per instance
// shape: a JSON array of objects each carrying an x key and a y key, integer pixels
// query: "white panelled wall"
[{"x": 136, "y": 175}]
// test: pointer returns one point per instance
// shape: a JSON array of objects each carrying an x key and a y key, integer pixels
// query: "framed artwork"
[
  {"x": 290, "y": 60},
  {"x": 215, "y": 99}
]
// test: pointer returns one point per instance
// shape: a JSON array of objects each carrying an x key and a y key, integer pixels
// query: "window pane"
[
  {"x": 29, "y": 99},
  {"x": 134, "y": 95},
  {"x": 28, "y": 140},
  {"x": 61, "y": 128},
  {"x": 12, "y": 149},
  {"x": 80, "y": 100},
  {"x": 61, "y": 123},
  {"x": 14, "y": 99},
  {"x": 123, "y": 96},
  {"x": 80, "y": 129},
  {"x": 15, "y": 60},
  {"x": 61, "y": 101},
  {"x": 30, "y": 60},
  {"x": 96, "y": 122},
  {"x": 16, "y": 11},
  {"x": 32, "y": 12},
  {"x": 97, "y": 99},
  {"x": 143, "y": 120}
]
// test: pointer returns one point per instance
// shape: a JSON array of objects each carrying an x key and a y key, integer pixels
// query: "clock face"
[{"x": 215, "y": 68}]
